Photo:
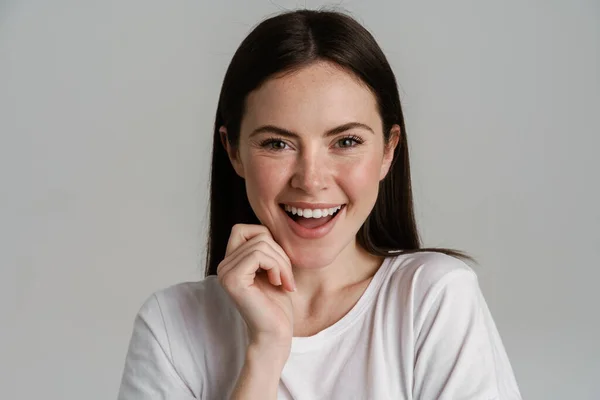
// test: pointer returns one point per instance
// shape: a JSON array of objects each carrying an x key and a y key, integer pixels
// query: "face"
[{"x": 311, "y": 143}]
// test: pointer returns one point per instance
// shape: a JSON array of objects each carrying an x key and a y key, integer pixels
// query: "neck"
[
  {"x": 352, "y": 266},
  {"x": 324, "y": 295}
]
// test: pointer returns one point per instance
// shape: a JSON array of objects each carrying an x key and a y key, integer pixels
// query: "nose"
[{"x": 311, "y": 172}]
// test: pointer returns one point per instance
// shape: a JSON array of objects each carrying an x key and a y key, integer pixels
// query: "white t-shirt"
[{"x": 421, "y": 330}]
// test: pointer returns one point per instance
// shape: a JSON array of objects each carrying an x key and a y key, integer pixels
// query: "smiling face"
[{"x": 313, "y": 140}]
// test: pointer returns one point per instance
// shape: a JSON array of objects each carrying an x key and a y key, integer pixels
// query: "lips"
[
  {"x": 312, "y": 228},
  {"x": 312, "y": 217}
]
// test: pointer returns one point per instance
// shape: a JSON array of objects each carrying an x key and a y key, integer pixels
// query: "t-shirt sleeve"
[
  {"x": 149, "y": 372},
  {"x": 458, "y": 351}
]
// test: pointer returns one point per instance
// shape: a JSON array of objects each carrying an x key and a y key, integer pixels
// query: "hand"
[{"x": 257, "y": 274}]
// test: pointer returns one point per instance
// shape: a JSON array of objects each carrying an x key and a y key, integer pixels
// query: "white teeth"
[{"x": 311, "y": 213}]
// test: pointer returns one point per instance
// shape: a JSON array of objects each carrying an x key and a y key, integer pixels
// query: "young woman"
[{"x": 317, "y": 286}]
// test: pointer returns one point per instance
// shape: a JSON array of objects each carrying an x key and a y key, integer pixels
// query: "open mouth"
[{"x": 311, "y": 218}]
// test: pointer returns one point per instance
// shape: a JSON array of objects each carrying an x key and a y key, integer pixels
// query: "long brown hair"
[{"x": 285, "y": 43}]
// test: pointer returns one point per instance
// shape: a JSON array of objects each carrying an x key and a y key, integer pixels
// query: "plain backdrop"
[{"x": 106, "y": 118}]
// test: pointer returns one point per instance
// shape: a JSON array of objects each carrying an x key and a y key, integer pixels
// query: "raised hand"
[{"x": 257, "y": 274}]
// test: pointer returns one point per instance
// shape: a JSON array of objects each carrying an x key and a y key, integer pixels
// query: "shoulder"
[
  {"x": 457, "y": 350},
  {"x": 191, "y": 294},
  {"x": 430, "y": 269},
  {"x": 188, "y": 321},
  {"x": 427, "y": 277},
  {"x": 184, "y": 303},
  {"x": 172, "y": 331}
]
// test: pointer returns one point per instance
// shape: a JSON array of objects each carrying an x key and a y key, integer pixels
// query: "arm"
[
  {"x": 259, "y": 377},
  {"x": 458, "y": 351},
  {"x": 149, "y": 372}
]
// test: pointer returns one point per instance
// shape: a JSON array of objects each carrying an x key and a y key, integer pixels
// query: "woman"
[{"x": 316, "y": 285}]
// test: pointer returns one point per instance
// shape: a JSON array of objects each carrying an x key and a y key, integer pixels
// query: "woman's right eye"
[{"x": 274, "y": 144}]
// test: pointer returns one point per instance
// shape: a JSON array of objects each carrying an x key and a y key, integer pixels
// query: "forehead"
[{"x": 312, "y": 99}]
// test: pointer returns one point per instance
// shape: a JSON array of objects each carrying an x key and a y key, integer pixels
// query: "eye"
[
  {"x": 349, "y": 141},
  {"x": 273, "y": 144}
]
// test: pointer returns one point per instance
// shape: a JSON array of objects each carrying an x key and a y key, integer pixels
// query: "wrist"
[
  {"x": 271, "y": 356},
  {"x": 260, "y": 375}
]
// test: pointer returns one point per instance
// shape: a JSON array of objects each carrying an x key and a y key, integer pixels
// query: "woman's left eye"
[{"x": 349, "y": 141}]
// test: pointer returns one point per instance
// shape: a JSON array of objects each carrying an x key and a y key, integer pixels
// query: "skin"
[
  {"x": 314, "y": 168},
  {"x": 331, "y": 272}
]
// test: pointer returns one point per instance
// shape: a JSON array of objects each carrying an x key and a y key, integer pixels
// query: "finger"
[
  {"x": 261, "y": 242},
  {"x": 241, "y": 233},
  {"x": 246, "y": 269},
  {"x": 288, "y": 281},
  {"x": 233, "y": 258},
  {"x": 268, "y": 246},
  {"x": 287, "y": 273},
  {"x": 268, "y": 239}
]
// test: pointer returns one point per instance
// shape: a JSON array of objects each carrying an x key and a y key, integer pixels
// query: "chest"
[
  {"x": 365, "y": 363},
  {"x": 325, "y": 312}
]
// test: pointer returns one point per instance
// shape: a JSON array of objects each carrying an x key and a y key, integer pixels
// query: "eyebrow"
[{"x": 330, "y": 132}]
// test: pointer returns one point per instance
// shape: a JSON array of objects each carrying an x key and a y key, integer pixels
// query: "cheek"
[
  {"x": 264, "y": 179},
  {"x": 361, "y": 177}
]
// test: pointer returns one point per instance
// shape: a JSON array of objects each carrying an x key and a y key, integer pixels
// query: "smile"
[
  {"x": 312, "y": 222},
  {"x": 310, "y": 212}
]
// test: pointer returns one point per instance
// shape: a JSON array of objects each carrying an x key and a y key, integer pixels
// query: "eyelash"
[{"x": 272, "y": 140}]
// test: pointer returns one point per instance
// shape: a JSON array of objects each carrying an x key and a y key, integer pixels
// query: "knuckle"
[
  {"x": 268, "y": 234},
  {"x": 263, "y": 246},
  {"x": 260, "y": 257},
  {"x": 264, "y": 231},
  {"x": 228, "y": 281},
  {"x": 257, "y": 254},
  {"x": 262, "y": 236}
]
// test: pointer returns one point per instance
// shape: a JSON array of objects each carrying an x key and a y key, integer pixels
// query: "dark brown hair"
[{"x": 285, "y": 43}]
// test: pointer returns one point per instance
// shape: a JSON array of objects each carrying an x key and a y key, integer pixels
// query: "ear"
[
  {"x": 231, "y": 152},
  {"x": 388, "y": 151}
]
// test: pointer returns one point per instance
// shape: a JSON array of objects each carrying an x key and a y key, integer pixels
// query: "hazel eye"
[
  {"x": 347, "y": 142},
  {"x": 277, "y": 144},
  {"x": 273, "y": 144}
]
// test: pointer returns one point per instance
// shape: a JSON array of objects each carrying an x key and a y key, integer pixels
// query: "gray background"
[{"x": 106, "y": 112}]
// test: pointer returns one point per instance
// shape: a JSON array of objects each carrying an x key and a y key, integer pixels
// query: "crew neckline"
[{"x": 302, "y": 344}]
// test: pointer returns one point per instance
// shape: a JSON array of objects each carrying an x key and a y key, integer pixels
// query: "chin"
[{"x": 307, "y": 257}]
